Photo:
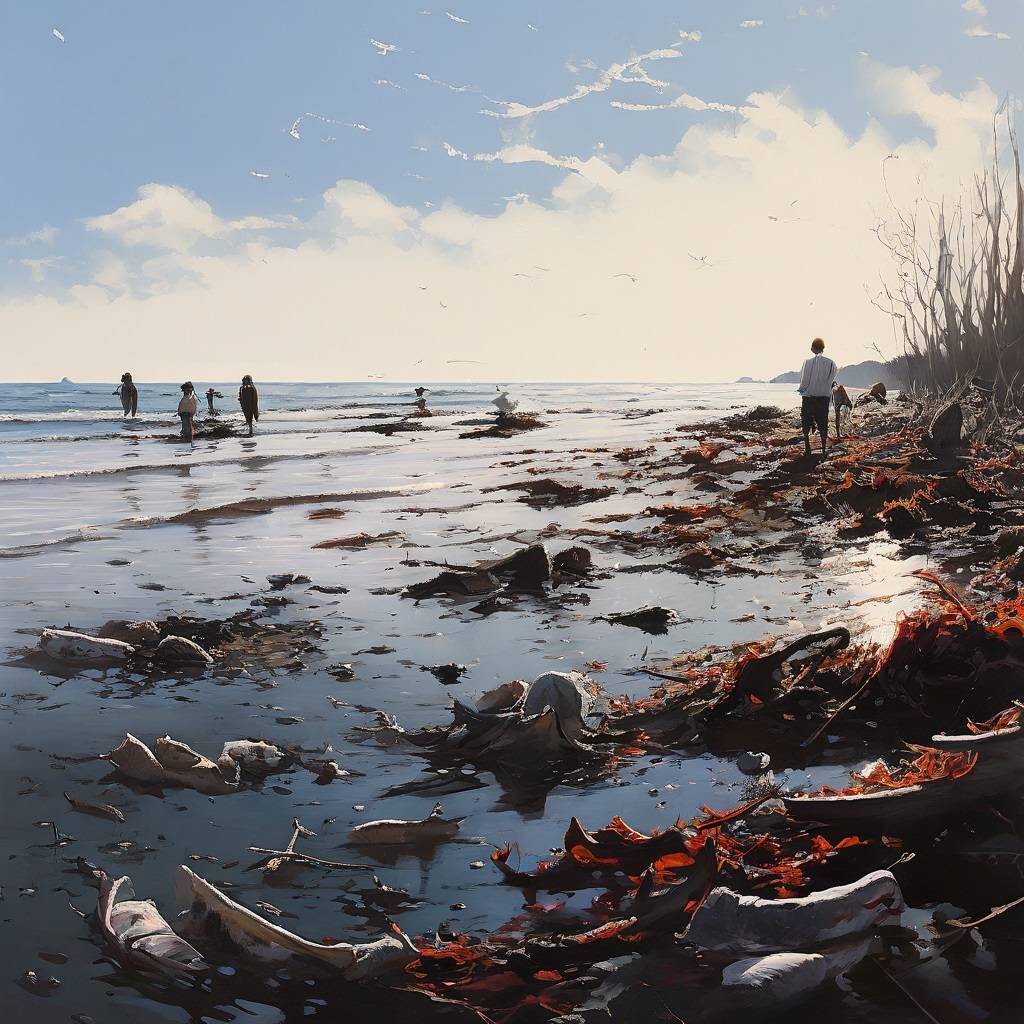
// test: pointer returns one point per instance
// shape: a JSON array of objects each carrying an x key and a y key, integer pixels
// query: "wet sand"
[{"x": 201, "y": 538}]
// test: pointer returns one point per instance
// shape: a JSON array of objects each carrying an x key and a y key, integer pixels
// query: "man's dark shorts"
[{"x": 814, "y": 414}]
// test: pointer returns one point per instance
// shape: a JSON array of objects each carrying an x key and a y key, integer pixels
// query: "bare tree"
[{"x": 957, "y": 298}]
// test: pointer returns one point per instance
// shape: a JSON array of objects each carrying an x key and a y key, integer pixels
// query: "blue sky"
[{"x": 197, "y": 96}]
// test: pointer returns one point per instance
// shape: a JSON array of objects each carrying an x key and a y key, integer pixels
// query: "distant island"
[{"x": 856, "y": 375}]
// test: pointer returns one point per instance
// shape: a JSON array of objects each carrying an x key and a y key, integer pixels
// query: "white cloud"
[
  {"x": 168, "y": 217},
  {"x": 980, "y": 32},
  {"x": 691, "y": 37},
  {"x": 39, "y": 266},
  {"x": 358, "y": 262},
  {"x": 46, "y": 235},
  {"x": 975, "y": 7},
  {"x": 632, "y": 70},
  {"x": 752, "y": 23}
]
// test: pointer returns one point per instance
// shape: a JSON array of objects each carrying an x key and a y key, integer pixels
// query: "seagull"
[
  {"x": 384, "y": 48},
  {"x": 528, "y": 276},
  {"x": 532, "y": 28},
  {"x": 455, "y": 18},
  {"x": 478, "y": 362},
  {"x": 58, "y": 35},
  {"x": 423, "y": 287},
  {"x": 545, "y": 269},
  {"x": 359, "y": 126},
  {"x": 703, "y": 260},
  {"x": 259, "y": 174},
  {"x": 630, "y": 276},
  {"x": 441, "y": 304}
]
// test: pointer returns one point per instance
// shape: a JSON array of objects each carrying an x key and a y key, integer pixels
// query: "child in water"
[
  {"x": 129, "y": 395},
  {"x": 249, "y": 400},
  {"x": 187, "y": 409}
]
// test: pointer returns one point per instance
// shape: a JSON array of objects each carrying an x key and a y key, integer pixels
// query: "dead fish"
[
  {"x": 396, "y": 832},
  {"x": 97, "y": 810},
  {"x": 138, "y": 933},
  {"x": 205, "y": 906}
]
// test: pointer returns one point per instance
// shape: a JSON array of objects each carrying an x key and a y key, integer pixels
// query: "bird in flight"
[
  {"x": 259, "y": 174},
  {"x": 528, "y": 276},
  {"x": 478, "y": 362},
  {"x": 441, "y": 304},
  {"x": 632, "y": 278},
  {"x": 455, "y": 18},
  {"x": 58, "y": 35},
  {"x": 384, "y": 48},
  {"x": 702, "y": 260},
  {"x": 545, "y": 269}
]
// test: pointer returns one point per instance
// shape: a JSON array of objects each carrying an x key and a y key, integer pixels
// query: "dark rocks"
[
  {"x": 528, "y": 567},
  {"x": 946, "y": 428},
  {"x": 286, "y": 579},
  {"x": 447, "y": 674},
  {"x": 651, "y": 618},
  {"x": 455, "y": 583},
  {"x": 574, "y": 561}
]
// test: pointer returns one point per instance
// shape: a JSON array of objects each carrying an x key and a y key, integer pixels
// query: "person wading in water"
[
  {"x": 187, "y": 409},
  {"x": 249, "y": 400},
  {"x": 816, "y": 378},
  {"x": 129, "y": 395}
]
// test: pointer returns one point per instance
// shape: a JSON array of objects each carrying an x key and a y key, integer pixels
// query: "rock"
[
  {"x": 566, "y": 693},
  {"x": 255, "y": 757},
  {"x": 174, "y": 763},
  {"x": 447, "y": 674},
  {"x": 68, "y": 645},
  {"x": 650, "y": 618},
  {"x": 528, "y": 567},
  {"x": 286, "y": 579},
  {"x": 752, "y": 763},
  {"x": 343, "y": 672},
  {"x": 946, "y": 428},
  {"x": 574, "y": 561},
  {"x": 138, "y": 634},
  {"x": 178, "y": 650}
]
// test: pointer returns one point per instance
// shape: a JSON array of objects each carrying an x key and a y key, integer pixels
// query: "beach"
[{"x": 111, "y": 519}]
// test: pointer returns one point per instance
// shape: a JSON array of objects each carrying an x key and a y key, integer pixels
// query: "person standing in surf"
[
  {"x": 129, "y": 395},
  {"x": 249, "y": 400},
  {"x": 211, "y": 394},
  {"x": 816, "y": 379},
  {"x": 187, "y": 409}
]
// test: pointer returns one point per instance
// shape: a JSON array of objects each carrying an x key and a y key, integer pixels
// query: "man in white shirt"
[{"x": 816, "y": 379}]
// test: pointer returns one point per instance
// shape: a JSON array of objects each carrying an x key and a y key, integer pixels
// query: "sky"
[{"x": 325, "y": 190}]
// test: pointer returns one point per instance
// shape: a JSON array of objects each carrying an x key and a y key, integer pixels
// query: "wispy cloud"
[
  {"x": 46, "y": 235},
  {"x": 752, "y": 23},
  {"x": 691, "y": 37},
  {"x": 683, "y": 101},
  {"x": 446, "y": 85},
  {"x": 632, "y": 70},
  {"x": 975, "y": 7},
  {"x": 39, "y": 266}
]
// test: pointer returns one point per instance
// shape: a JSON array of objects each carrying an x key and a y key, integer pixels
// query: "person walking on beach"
[
  {"x": 210, "y": 396},
  {"x": 129, "y": 395},
  {"x": 816, "y": 379},
  {"x": 187, "y": 409},
  {"x": 840, "y": 401},
  {"x": 249, "y": 400}
]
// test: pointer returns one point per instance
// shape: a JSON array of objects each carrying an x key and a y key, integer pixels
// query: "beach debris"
[
  {"x": 343, "y": 671},
  {"x": 361, "y": 540},
  {"x": 138, "y": 934},
  {"x": 876, "y": 393},
  {"x": 528, "y": 567},
  {"x": 650, "y": 618},
  {"x": 95, "y": 809},
  {"x": 209, "y": 912},
  {"x": 286, "y": 579},
  {"x": 753, "y": 763},
  {"x": 573, "y": 561},
  {"x": 504, "y": 697},
  {"x": 396, "y": 832},
  {"x": 138, "y": 634},
  {"x": 254, "y": 757},
  {"x": 67, "y": 645},
  {"x": 570, "y": 695},
  {"x": 729, "y": 922},
  {"x": 31, "y": 982},
  {"x": 548, "y": 493},
  {"x": 455, "y": 583},
  {"x": 280, "y": 866},
  {"x": 179, "y": 650},
  {"x": 448, "y": 673},
  {"x": 171, "y": 762}
]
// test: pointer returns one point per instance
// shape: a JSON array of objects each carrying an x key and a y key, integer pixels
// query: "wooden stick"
[
  {"x": 838, "y": 711},
  {"x": 283, "y": 855}
]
